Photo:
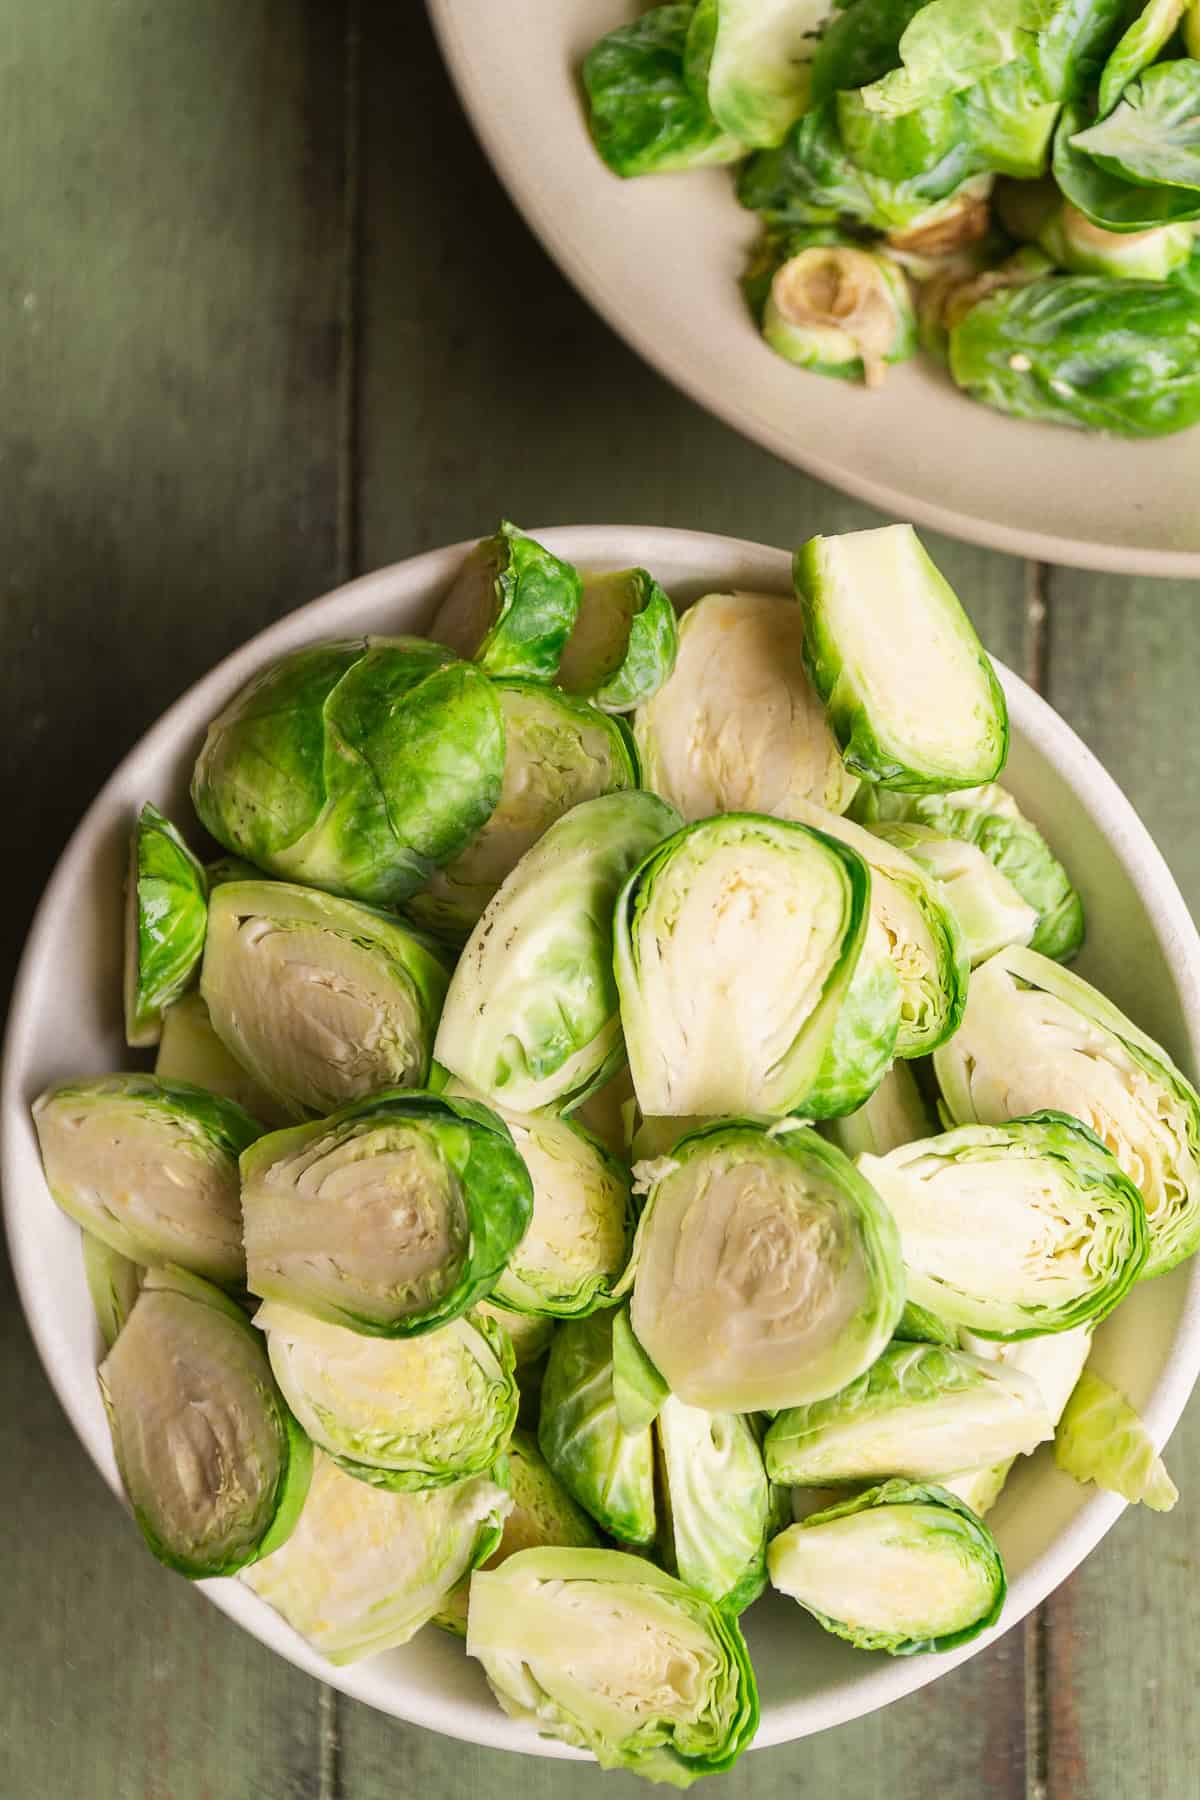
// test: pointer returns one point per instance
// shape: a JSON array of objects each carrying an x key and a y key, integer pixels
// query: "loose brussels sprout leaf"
[
  {"x": 606, "y": 1652},
  {"x": 638, "y": 1388},
  {"x": 608, "y": 1113},
  {"x": 895, "y": 1114},
  {"x": 531, "y": 1017},
  {"x": 1153, "y": 133},
  {"x": 149, "y": 1167},
  {"x": 607, "y": 1470},
  {"x": 840, "y": 310},
  {"x": 767, "y": 1271},
  {"x": 920, "y": 1326},
  {"x": 1100, "y": 1438},
  {"x": 859, "y": 44},
  {"x": 558, "y": 751},
  {"x": 901, "y": 1568},
  {"x": 624, "y": 643},
  {"x": 989, "y": 910},
  {"x": 644, "y": 116},
  {"x": 1035, "y": 1036},
  {"x": 951, "y": 44},
  {"x": 365, "y": 1569},
  {"x": 1009, "y": 119},
  {"x": 413, "y": 1413},
  {"x": 741, "y": 895},
  {"x": 1054, "y": 1364},
  {"x": 1014, "y": 1230},
  {"x": 1110, "y": 200},
  {"x": 391, "y": 1217},
  {"x": 901, "y": 148},
  {"x": 922, "y": 1411},
  {"x": 114, "y": 1283},
  {"x": 166, "y": 912},
  {"x": 359, "y": 766},
  {"x": 738, "y": 727},
  {"x": 1072, "y": 43},
  {"x": 1137, "y": 49},
  {"x": 1074, "y": 243},
  {"x": 511, "y": 608},
  {"x": 717, "y": 1503},
  {"x": 758, "y": 54},
  {"x": 528, "y": 1333},
  {"x": 321, "y": 999},
  {"x": 190, "y": 1050},
  {"x": 875, "y": 675},
  {"x": 215, "y": 1467}
]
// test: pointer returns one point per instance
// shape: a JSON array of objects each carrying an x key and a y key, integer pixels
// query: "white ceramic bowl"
[
  {"x": 66, "y": 1020},
  {"x": 660, "y": 258}
]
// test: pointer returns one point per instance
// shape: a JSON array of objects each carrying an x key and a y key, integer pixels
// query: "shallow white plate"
[
  {"x": 660, "y": 257},
  {"x": 66, "y": 1020}
]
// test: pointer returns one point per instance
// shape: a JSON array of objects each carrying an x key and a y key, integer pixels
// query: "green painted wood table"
[{"x": 268, "y": 321}]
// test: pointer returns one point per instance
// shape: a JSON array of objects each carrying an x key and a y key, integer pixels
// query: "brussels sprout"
[
  {"x": 1054, "y": 1364},
  {"x": 357, "y": 766},
  {"x": 978, "y": 1488},
  {"x": 511, "y": 608},
  {"x": 900, "y": 1568},
  {"x": 920, "y": 1326},
  {"x": 753, "y": 57},
  {"x": 921, "y": 1411},
  {"x": 558, "y": 752},
  {"x": 638, "y": 1388},
  {"x": 950, "y": 45},
  {"x": 1146, "y": 36},
  {"x": 1009, "y": 119},
  {"x": 895, "y": 1114},
  {"x": 766, "y": 1272},
  {"x": 608, "y": 1113},
  {"x": 321, "y": 999},
  {"x": 898, "y": 149},
  {"x": 114, "y": 1283},
  {"x": 1100, "y": 1438},
  {"x": 1109, "y": 200},
  {"x": 166, "y": 911},
  {"x": 644, "y": 116},
  {"x": 654, "y": 1139},
  {"x": 624, "y": 643},
  {"x": 231, "y": 868},
  {"x": 1191, "y": 30},
  {"x": 531, "y": 1017},
  {"x": 215, "y": 1467},
  {"x": 717, "y": 1503},
  {"x": 875, "y": 681},
  {"x": 365, "y": 1569},
  {"x": 605, "y": 1651},
  {"x": 150, "y": 1167},
  {"x": 954, "y": 289},
  {"x": 840, "y": 310},
  {"x": 962, "y": 223},
  {"x": 738, "y": 727},
  {"x": 1076, "y": 244},
  {"x": 528, "y": 1333},
  {"x": 190, "y": 1050},
  {"x": 1036, "y": 1036},
  {"x": 989, "y": 910},
  {"x": 866, "y": 1033},
  {"x": 1014, "y": 1230},
  {"x": 1152, "y": 135},
  {"x": 392, "y": 1217},
  {"x": 608, "y": 1470},
  {"x": 859, "y": 44}
]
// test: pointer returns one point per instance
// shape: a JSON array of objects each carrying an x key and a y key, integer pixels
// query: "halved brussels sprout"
[
  {"x": 839, "y": 309},
  {"x": 603, "y": 1650},
  {"x": 166, "y": 912},
  {"x": 875, "y": 672},
  {"x": 624, "y": 643},
  {"x": 864, "y": 1039},
  {"x": 215, "y": 1467},
  {"x": 402, "y": 1414},
  {"x": 356, "y": 766},
  {"x": 988, "y": 907},
  {"x": 895, "y": 1114},
  {"x": 511, "y": 608},
  {"x": 718, "y": 1508},
  {"x": 608, "y": 1470},
  {"x": 558, "y": 751},
  {"x": 921, "y": 1411},
  {"x": 150, "y": 1167},
  {"x": 645, "y": 116},
  {"x": 365, "y": 1569},
  {"x": 321, "y": 999},
  {"x": 114, "y": 1283},
  {"x": 190, "y": 1050},
  {"x": 738, "y": 727},
  {"x": 1054, "y": 1363},
  {"x": 766, "y": 1272},
  {"x": 638, "y": 1389},
  {"x": 1100, "y": 1438},
  {"x": 1014, "y": 1230},
  {"x": 392, "y": 1217},
  {"x": 1037, "y": 1036},
  {"x": 608, "y": 1112},
  {"x": 531, "y": 1018},
  {"x": 1074, "y": 243},
  {"x": 754, "y": 62},
  {"x": 528, "y": 1333}
]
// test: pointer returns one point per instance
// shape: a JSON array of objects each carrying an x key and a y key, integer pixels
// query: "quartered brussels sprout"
[
  {"x": 875, "y": 679},
  {"x": 528, "y": 1333},
  {"x": 215, "y": 1467},
  {"x": 609, "y": 1471},
  {"x": 320, "y": 999},
  {"x": 114, "y": 1283},
  {"x": 166, "y": 911},
  {"x": 365, "y": 1569},
  {"x": 531, "y": 1017},
  {"x": 1100, "y": 1438},
  {"x": 638, "y": 1389},
  {"x": 840, "y": 310},
  {"x": 989, "y": 910},
  {"x": 901, "y": 1568},
  {"x": 1074, "y": 243},
  {"x": 766, "y": 1272},
  {"x": 150, "y": 1167},
  {"x": 738, "y": 727},
  {"x": 1054, "y": 1363},
  {"x": 190, "y": 1050},
  {"x": 392, "y": 1217},
  {"x": 356, "y": 766},
  {"x": 752, "y": 62},
  {"x": 605, "y": 1651},
  {"x": 402, "y": 1414},
  {"x": 624, "y": 643},
  {"x": 558, "y": 751},
  {"x": 895, "y": 1114},
  {"x": 1014, "y": 1230},
  {"x": 921, "y": 1411},
  {"x": 718, "y": 1505},
  {"x": 511, "y": 608},
  {"x": 1037, "y": 1036},
  {"x": 645, "y": 116}
]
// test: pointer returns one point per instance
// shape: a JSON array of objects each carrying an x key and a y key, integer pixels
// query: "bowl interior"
[{"x": 66, "y": 1019}]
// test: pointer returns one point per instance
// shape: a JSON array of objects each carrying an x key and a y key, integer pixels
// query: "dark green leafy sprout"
[
  {"x": 511, "y": 608},
  {"x": 989, "y": 910},
  {"x": 718, "y": 1507},
  {"x": 1152, "y": 135},
  {"x": 895, "y": 1114},
  {"x": 365, "y": 1569},
  {"x": 1110, "y": 200},
  {"x": 1149, "y": 33},
  {"x": 638, "y": 1388},
  {"x": 558, "y": 751},
  {"x": 114, "y": 1283},
  {"x": 751, "y": 61},
  {"x": 215, "y": 1466},
  {"x": 1075, "y": 244},
  {"x": 358, "y": 766},
  {"x": 1014, "y": 1230},
  {"x": 609, "y": 1471},
  {"x": 1035, "y": 1036},
  {"x": 150, "y": 1167},
  {"x": 190, "y": 1050},
  {"x": 1100, "y": 1438},
  {"x": 901, "y": 1568},
  {"x": 392, "y": 1217},
  {"x": 166, "y": 911},
  {"x": 624, "y": 643},
  {"x": 645, "y": 117},
  {"x": 840, "y": 310},
  {"x": 607, "y": 1652}
]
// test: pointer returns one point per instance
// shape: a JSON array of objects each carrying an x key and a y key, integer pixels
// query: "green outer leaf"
[
  {"x": 920, "y": 1326},
  {"x": 640, "y": 660},
  {"x": 757, "y": 54},
  {"x": 1010, "y": 121},
  {"x": 638, "y": 1389},
  {"x": 608, "y": 1471},
  {"x": 644, "y": 115},
  {"x": 900, "y": 149},
  {"x": 532, "y": 599},
  {"x": 1106, "y": 199},
  {"x": 859, "y": 44},
  {"x": 1137, "y": 49},
  {"x": 114, "y": 1283},
  {"x": 951, "y": 44},
  {"x": 864, "y": 1039},
  {"x": 1100, "y": 1438},
  {"x": 1152, "y": 136},
  {"x": 168, "y": 901},
  {"x": 717, "y": 1503}
]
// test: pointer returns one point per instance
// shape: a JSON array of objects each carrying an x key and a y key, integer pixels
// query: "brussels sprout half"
[
  {"x": 1075, "y": 244},
  {"x": 190, "y": 1050},
  {"x": 114, "y": 1284},
  {"x": 989, "y": 910},
  {"x": 638, "y": 1389},
  {"x": 840, "y": 309},
  {"x": 718, "y": 1505},
  {"x": 644, "y": 115},
  {"x": 609, "y": 1471},
  {"x": 511, "y": 608},
  {"x": 895, "y": 1114},
  {"x": 753, "y": 62},
  {"x": 166, "y": 911},
  {"x": 1100, "y": 1438},
  {"x": 624, "y": 644},
  {"x": 1054, "y": 1363},
  {"x": 528, "y": 1333}
]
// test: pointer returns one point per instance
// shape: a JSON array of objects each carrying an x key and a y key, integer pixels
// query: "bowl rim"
[{"x": 1167, "y": 917}]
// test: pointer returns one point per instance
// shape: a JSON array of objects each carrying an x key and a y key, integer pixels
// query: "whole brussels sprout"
[{"x": 645, "y": 116}]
